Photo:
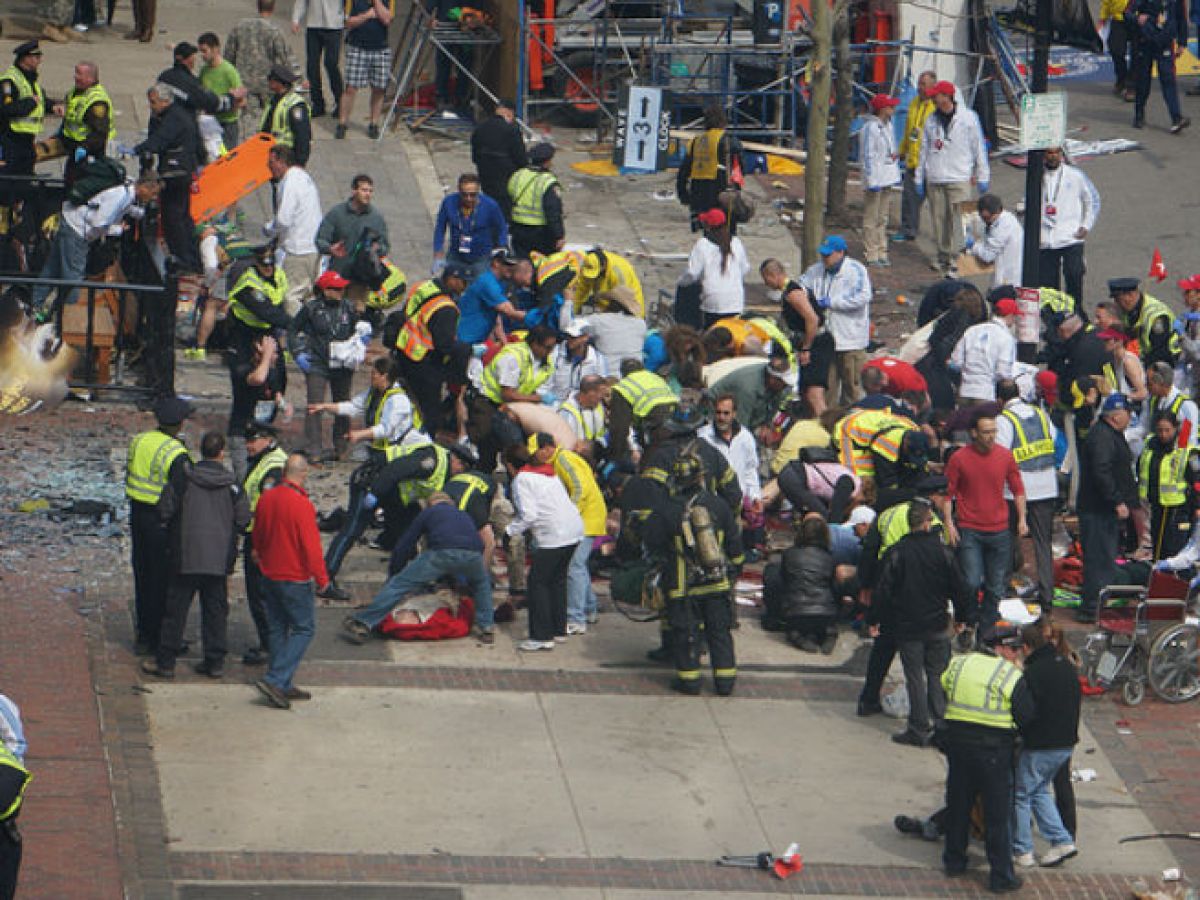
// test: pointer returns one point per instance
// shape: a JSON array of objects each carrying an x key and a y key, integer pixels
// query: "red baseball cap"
[
  {"x": 1190, "y": 284},
  {"x": 1047, "y": 382},
  {"x": 1007, "y": 306},
  {"x": 1112, "y": 334},
  {"x": 330, "y": 279},
  {"x": 711, "y": 218},
  {"x": 883, "y": 101},
  {"x": 942, "y": 87}
]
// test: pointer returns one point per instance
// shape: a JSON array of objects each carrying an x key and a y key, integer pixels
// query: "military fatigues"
[
  {"x": 254, "y": 46},
  {"x": 536, "y": 221},
  {"x": 266, "y": 471}
]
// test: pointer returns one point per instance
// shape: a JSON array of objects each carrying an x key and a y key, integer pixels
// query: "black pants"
[
  {"x": 425, "y": 381},
  {"x": 986, "y": 769},
  {"x": 1168, "y": 529},
  {"x": 496, "y": 187},
  {"x": 446, "y": 69},
  {"x": 1145, "y": 58},
  {"x": 158, "y": 338},
  {"x": 793, "y": 481},
  {"x": 1063, "y": 266},
  {"x": 883, "y": 652},
  {"x": 397, "y": 516},
  {"x": 148, "y": 539},
  {"x": 1040, "y": 516},
  {"x": 1118, "y": 49},
  {"x": 1064, "y": 797},
  {"x": 178, "y": 228},
  {"x": 325, "y": 42},
  {"x": 10, "y": 859},
  {"x": 255, "y": 595},
  {"x": 1100, "y": 538},
  {"x": 547, "y": 597},
  {"x": 685, "y": 616},
  {"x": 527, "y": 238},
  {"x": 214, "y": 615},
  {"x": 358, "y": 517}
]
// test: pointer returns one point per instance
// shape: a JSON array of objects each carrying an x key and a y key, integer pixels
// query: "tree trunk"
[
  {"x": 818, "y": 123},
  {"x": 839, "y": 152}
]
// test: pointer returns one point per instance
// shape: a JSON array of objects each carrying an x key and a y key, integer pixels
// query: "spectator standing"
[
  {"x": 1162, "y": 30},
  {"x": 813, "y": 342},
  {"x": 841, "y": 288},
  {"x": 445, "y": 68},
  {"x": 1122, "y": 37},
  {"x": 348, "y": 227},
  {"x": 173, "y": 138},
  {"x": 976, "y": 476},
  {"x": 919, "y": 581},
  {"x": 368, "y": 60},
  {"x": 1002, "y": 244},
  {"x": 220, "y": 77},
  {"x": 1047, "y": 743},
  {"x": 545, "y": 509},
  {"x": 475, "y": 224},
  {"x": 327, "y": 319},
  {"x": 203, "y": 519},
  {"x": 143, "y": 21},
  {"x": 324, "y": 23},
  {"x": 255, "y": 45},
  {"x": 536, "y": 204},
  {"x": 1107, "y": 491},
  {"x": 881, "y": 177},
  {"x": 953, "y": 157},
  {"x": 718, "y": 263},
  {"x": 498, "y": 150},
  {"x": 1070, "y": 207},
  {"x": 294, "y": 227},
  {"x": 919, "y": 109},
  {"x": 986, "y": 353},
  {"x": 708, "y": 167},
  {"x": 287, "y": 548}
]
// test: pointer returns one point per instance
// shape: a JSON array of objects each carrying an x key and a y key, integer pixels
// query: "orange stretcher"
[{"x": 239, "y": 172}]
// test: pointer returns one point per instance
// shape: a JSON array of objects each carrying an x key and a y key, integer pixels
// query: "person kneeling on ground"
[
  {"x": 453, "y": 548},
  {"x": 800, "y": 588}
]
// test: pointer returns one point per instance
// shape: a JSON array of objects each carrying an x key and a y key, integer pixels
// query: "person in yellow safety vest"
[
  {"x": 641, "y": 401},
  {"x": 708, "y": 167},
  {"x": 1055, "y": 306},
  {"x": 585, "y": 412},
  {"x": 385, "y": 297},
  {"x": 427, "y": 346},
  {"x": 286, "y": 117},
  {"x": 14, "y": 778},
  {"x": 256, "y": 300},
  {"x": 265, "y": 459},
  {"x": 22, "y": 109},
  {"x": 919, "y": 109},
  {"x": 1167, "y": 476},
  {"x": 602, "y": 272},
  {"x": 866, "y": 432},
  {"x": 1150, "y": 319},
  {"x": 578, "y": 478},
  {"x": 555, "y": 275},
  {"x": 155, "y": 458},
  {"x": 986, "y": 701},
  {"x": 536, "y": 221},
  {"x": 517, "y": 374},
  {"x": 87, "y": 124}
]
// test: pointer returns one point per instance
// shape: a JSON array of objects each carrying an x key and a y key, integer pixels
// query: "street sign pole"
[{"x": 1035, "y": 164}]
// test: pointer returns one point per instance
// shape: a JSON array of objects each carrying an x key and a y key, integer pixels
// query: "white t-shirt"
[{"x": 721, "y": 289}]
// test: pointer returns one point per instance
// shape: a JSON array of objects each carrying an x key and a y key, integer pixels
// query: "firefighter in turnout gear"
[
  {"x": 156, "y": 458},
  {"x": 286, "y": 117},
  {"x": 536, "y": 220},
  {"x": 695, "y": 535},
  {"x": 676, "y": 437},
  {"x": 266, "y": 460}
]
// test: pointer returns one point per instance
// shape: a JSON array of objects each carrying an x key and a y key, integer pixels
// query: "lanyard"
[{"x": 1053, "y": 198}]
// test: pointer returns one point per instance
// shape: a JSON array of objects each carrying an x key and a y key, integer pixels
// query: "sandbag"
[{"x": 536, "y": 417}]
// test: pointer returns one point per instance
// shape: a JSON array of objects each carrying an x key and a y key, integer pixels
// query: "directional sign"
[
  {"x": 643, "y": 130},
  {"x": 1043, "y": 120}
]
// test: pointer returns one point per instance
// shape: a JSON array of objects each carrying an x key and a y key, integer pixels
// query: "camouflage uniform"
[
  {"x": 254, "y": 46},
  {"x": 60, "y": 12}
]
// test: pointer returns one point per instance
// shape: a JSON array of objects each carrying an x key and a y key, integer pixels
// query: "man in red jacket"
[{"x": 287, "y": 549}]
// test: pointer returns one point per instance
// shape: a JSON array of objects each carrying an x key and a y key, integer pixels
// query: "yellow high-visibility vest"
[
  {"x": 533, "y": 373},
  {"x": 31, "y": 123},
  {"x": 274, "y": 291},
  {"x": 527, "y": 187},
  {"x": 1152, "y": 311},
  {"x": 151, "y": 455},
  {"x": 645, "y": 392},
  {"x": 893, "y": 525},
  {"x": 278, "y": 126},
  {"x": 1172, "y": 485},
  {"x": 78, "y": 103},
  {"x": 9, "y": 761},
  {"x": 1033, "y": 448},
  {"x": 979, "y": 690},
  {"x": 421, "y": 488},
  {"x": 705, "y": 153},
  {"x": 275, "y": 458}
]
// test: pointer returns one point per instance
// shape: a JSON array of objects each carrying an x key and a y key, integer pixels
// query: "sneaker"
[
  {"x": 150, "y": 667},
  {"x": 331, "y": 591},
  {"x": 295, "y": 693},
  {"x": 1024, "y": 860},
  {"x": 910, "y": 739},
  {"x": 485, "y": 635},
  {"x": 256, "y": 656},
  {"x": 274, "y": 695},
  {"x": 80, "y": 27},
  {"x": 576, "y": 628},
  {"x": 530, "y": 646},
  {"x": 339, "y": 132},
  {"x": 209, "y": 669},
  {"x": 869, "y": 708},
  {"x": 907, "y": 824},
  {"x": 1057, "y": 855},
  {"x": 355, "y": 631},
  {"x": 373, "y": 131},
  {"x": 196, "y": 354},
  {"x": 1179, "y": 124}
]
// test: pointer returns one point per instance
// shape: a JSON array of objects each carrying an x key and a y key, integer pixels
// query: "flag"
[{"x": 1158, "y": 270}]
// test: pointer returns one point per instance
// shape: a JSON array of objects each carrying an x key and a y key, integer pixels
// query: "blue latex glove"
[
  {"x": 124, "y": 150},
  {"x": 983, "y": 186},
  {"x": 920, "y": 188},
  {"x": 1191, "y": 317},
  {"x": 478, "y": 350},
  {"x": 304, "y": 361},
  {"x": 970, "y": 242},
  {"x": 548, "y": 397},
  {"x": 1162, "y": 566},
  {"x": 874, "y": 190},
  {"x": 369, "y": 501},
  {"x": 822, "y": 303},
  {"x": 1179, "y": 328},
  {"x": 1194, "y": 583},
  {"x": 366, "y": 339}
]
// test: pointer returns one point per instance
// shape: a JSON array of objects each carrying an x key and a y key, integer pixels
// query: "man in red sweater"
[
  {"x": 287, "y": 548},
  {"x": 975, "y": 478}
]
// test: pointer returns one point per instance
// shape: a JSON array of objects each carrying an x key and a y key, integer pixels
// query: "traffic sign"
[
  {"x": 643, "y": 130},
  {"x": 1043, "y": 120}
]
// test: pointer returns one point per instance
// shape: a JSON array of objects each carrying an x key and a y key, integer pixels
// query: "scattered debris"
[{"x": 1083, "y": 775}]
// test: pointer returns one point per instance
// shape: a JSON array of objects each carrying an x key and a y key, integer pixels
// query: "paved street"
[{"x": 455, "y": 770}]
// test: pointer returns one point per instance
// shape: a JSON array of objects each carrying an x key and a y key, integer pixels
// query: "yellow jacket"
[
  {"x": 576, "y": 475},
  {"x": 1113, "y": 9},
  {"x": 910, "y": 148},
  {"x": 619, "y": 272}
]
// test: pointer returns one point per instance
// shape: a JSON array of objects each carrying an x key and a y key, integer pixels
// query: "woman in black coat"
[{"x": 800, "y": 589}]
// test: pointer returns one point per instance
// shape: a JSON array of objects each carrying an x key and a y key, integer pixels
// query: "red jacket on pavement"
[{"x": 285, "y": 537}]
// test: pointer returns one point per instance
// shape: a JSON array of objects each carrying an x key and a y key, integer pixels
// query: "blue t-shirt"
[
  {"x": 477, "y": 308},
  {"x": 844, "y": 545}
]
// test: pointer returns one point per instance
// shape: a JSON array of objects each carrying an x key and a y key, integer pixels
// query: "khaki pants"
[
  {"x": 845, "y": 377},
  {"x": 301, "y": 272},
  {"x": 944, "y": 200},
  {"x": 877, "y": 209}
]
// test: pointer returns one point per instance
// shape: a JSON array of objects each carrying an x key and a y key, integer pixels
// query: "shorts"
[
  {"x": 820, "y": 358},
  {"x": 365, "y": 68}
]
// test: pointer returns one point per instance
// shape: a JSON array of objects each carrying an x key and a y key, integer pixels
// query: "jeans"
[
  {"x": 1035, "y": 770},
  {"x": 581, "y": 598},
  {"x": 924, "y": 661},
  {"x": 1099, "y": 536},
  {"x": 426, "y": 569},
  {"x": 1064, "y": 266},
  {"x": 291, "y": 616},
  {"x": 325, "y": 42},
  {"x": 984, "y": 557},
  {"x": 67, "y": 260},
  {"x": 477, "y": 266}
]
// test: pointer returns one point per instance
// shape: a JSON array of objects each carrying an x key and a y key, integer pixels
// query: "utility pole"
[{"x": 1035, "y": 166}]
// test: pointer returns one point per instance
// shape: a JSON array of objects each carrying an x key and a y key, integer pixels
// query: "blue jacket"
[{"x": 485, "y": 229}]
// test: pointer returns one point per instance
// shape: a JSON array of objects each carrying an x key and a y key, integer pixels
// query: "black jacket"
[
  {"x": 1054, "y": 684},
  {"x": 191, "y": 94},
  {"x": 807, "y": 581},
  {"x": 497, "y": 151},
  {"x": 1106, "y": 471},
  {"x": 317, "y": 325},
  {"x": 174, "y": 139},
  {"x": 919, "y": 576},
  {"x": 719, "y": 477},
  {"x": 1083, "y": 354}
]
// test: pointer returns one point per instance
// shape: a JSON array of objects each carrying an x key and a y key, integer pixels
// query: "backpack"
[
  {"x": 98, "y": 175},
  {"x": 366, "y": 266}
]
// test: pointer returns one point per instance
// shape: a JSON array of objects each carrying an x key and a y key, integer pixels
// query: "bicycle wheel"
[{"x": 1174, "y": 667}]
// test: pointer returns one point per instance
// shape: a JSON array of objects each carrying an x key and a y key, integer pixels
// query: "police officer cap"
[
  {"x": 255, "y": 430},
  {"x": 457, "y": 270},
  {"x": 540, "y": 153},
  {"x": 282, "y": 74},
  {"x": 172, "y": 410},
  {"x": 264, "y": 253},
  {"x": 466, "y": 454},
  {"x": 1001, "y": 634},
  {"x": 25, "y": 49},
  {"x": 1116, "y": 285}
]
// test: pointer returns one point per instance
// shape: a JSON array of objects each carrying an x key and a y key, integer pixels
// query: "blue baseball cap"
[
  {"x": 1114, "y": 403},
  {"x": 833, "y": 244}
]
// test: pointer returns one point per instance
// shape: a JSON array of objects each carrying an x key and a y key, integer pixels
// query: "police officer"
[
  {"x": 14, "y": 778},
  {"x": 1149, "y": 319},
  {"x": 265, "y": 459},
  {"x": 87, "y": 124},
  {"x": 986, "y": 701},
  {"x": 536, "y": 221},
  {"x": 22, "y": 108},
  {"x": 641, "y": 402},
  {"x": 1167, "y": 476},
  {"x": 156, "y": 457},
  {"x": 256, "y": 300},
  {"x": 473, "y": 492},
  {"x": 415, "y": 469},
  {"x": 696, "y": 562},
  {"x": 287, "y": 117}
]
